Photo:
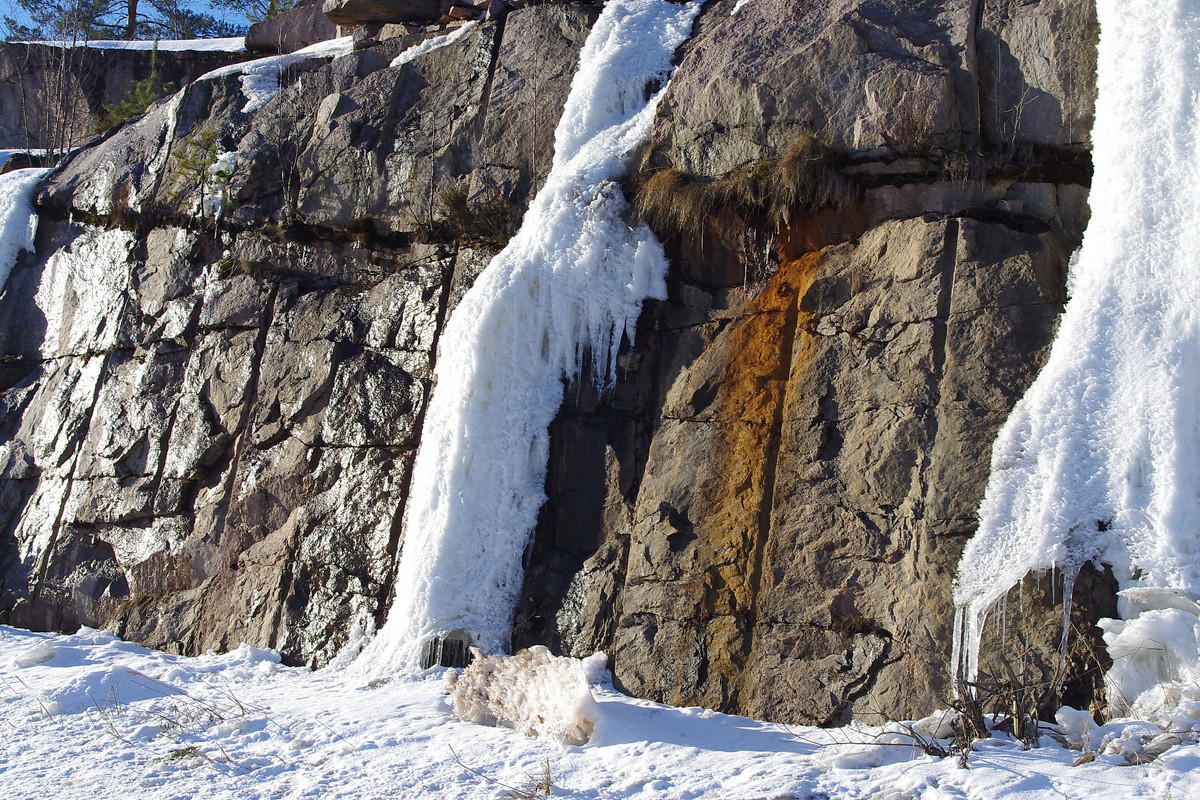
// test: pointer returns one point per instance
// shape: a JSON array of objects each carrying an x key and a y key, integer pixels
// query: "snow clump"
[
  {"x": 1156, "y": 658},
  {"x": 533, "y": 692}
]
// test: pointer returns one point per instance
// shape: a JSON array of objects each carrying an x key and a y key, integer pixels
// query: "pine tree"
[{"x": 78, "y": 21}]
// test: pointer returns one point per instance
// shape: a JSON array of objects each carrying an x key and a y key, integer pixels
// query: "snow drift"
[
  {"x": 18, "y": 219},
  {"x": 1101, "y": 459},
  {"x": 570, "y": 282}
]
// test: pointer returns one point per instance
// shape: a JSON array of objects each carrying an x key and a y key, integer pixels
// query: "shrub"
[
  {"x": 200, "y": 163},
  {"x": 806, "y": 177},
  {"x": 1025, "y": 690},
  {"x": 139, "y": 97}
]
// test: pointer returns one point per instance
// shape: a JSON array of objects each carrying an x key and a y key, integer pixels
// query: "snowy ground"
[{"x": 90, "y": 716}]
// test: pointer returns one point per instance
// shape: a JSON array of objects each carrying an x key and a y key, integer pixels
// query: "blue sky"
[{"x": 12, "y": 9}]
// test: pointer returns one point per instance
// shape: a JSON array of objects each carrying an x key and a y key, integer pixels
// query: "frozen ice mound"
[{"x": 534, "y": 692}]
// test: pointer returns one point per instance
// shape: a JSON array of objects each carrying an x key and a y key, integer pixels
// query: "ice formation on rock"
[
  {"x": 1100, "y": 461},
  {"x": 570, "y": 282}
]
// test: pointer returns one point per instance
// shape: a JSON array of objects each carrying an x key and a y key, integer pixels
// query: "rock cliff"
[
  {"x": 57, "y": 99},
  {"x": 214, "y": 380},
  {"x": 773, "y": 505}
]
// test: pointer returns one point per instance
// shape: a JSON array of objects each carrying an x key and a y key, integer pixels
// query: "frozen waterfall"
[
  {"x": 1100, "y": 461},
  {"x": 571, "y": 281}
]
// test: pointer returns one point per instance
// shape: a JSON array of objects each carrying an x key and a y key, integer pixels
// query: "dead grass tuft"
[
  {"x": 804, "y": 177},
  {"x": 487, "y": 220}
]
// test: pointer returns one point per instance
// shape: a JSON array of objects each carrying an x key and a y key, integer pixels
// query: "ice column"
[
  {"x": 571, "y": 281},
  {"x": 1100, "y": 461}
]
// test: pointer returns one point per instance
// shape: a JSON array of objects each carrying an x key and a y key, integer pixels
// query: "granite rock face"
[
  {"x": 213, "y": 389},
  {"x": 1039, "y": 66},
  {"x": 56, "y": 99},
  {"x": 780, "y": 493},
  {"x": 881, "y": 79},
  {"x": 298, "y": 27},
  {"x": 193, "y": 447},
  {"x": 767, "y": 514},
  {"x": 209, "y": 423},
  {"x": 354, "y": 145}
]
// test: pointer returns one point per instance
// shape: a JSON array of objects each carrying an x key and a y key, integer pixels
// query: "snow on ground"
[
  {"x": 18, "y": 220},
  {"x": 572, "y": 280},
  {"x": 89, "y": 716},
  {"x": 1101, "y": 458},
  {"x": 260, "y": 77},
  {"x": 232, "y": 44}
]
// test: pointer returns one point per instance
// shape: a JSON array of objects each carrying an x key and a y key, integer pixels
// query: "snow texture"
[
  {"x": 738, "y": 6},
  {"x": 89, "y": 716},
  {"x": 18, "y": 219},
  {"x": 233, "y": 44},
  {"x": 260, "y": 78},
  {"x": 436, "y": 43},
  {"x": 1156, "y": 659},
  {"x": 570, "y": 283},
  {"x": 532, "y": 691},
  {"x": 1100, "y": 461}
]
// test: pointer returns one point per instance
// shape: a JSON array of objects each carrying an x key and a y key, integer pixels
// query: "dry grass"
[
  {"x": 538, "y": 784},
  {"x": 488, "y": 220},
  {"x": 803, "y": 177}
]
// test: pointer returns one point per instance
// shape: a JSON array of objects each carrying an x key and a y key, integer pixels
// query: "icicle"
[
  {"x": 956, "y": 650},
  {"x": 974, "y": 620},
  {"x": 1067, "y": 597},
  {"x": 1004, "y": 621}
]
